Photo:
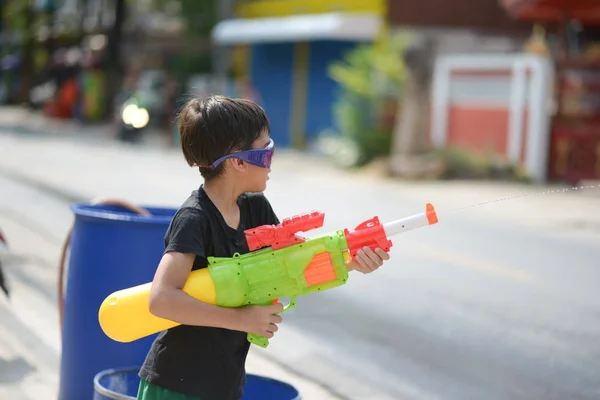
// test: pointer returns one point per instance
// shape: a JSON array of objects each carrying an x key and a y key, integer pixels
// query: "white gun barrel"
[{"x": 429, "y": 217}]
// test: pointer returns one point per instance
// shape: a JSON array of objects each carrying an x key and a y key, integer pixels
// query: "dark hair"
[{"x": 216, "y": 126}]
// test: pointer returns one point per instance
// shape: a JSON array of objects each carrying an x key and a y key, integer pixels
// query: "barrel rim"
[
  {"x": 116, "y": 396},
  {"x": 107, "y": 392},
  {"x": 89, "y": 210}
]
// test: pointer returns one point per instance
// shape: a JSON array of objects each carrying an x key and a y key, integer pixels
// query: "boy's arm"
[
  {"x": 185, "y": 246},
  {"x": 169, "y": 301}
]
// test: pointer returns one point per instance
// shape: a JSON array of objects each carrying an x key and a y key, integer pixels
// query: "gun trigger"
[{"x": 291, "y": 305}]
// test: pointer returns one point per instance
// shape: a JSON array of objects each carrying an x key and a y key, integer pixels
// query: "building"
[
  {"x": 282, "y": 50},
  {"x": 460, "y": 26},
  {"x": 485, "y": 92}
]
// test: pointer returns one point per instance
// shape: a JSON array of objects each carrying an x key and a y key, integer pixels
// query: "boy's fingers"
[
  {"x": 374, "y": 258},
  {"x": 367, "y": 265},
  {"x": 365, "y": 260},
  {"x": 277, "y": 319},
  {"x": 382, "y": 254}
]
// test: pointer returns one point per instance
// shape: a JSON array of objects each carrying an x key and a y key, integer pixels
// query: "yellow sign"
[{"x": 280, "y": 8}]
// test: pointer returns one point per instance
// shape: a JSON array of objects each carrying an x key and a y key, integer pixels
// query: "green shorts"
[{"x": 148, "y": 391}]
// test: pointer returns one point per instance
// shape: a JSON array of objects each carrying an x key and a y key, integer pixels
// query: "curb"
[
  {"x": 52, "y": 190},
  {"x": 29, "y": 130}
]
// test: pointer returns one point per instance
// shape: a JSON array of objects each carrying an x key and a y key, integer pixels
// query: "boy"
[{"x": 204, "y": 357}]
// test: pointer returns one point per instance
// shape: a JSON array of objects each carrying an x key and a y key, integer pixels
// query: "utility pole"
[
  {"x": 113, "y": 59},
  {"x": 222, "y": 54},
  {"x": 28, "y": 43}
]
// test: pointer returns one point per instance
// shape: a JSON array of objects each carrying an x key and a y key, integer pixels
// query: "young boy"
[{"x": 204, "y": 357}]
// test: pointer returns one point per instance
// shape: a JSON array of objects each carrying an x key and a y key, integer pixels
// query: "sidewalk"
[
  {"x": 21, "y": 120},
  {"x": 35, "y": 126},
  {"x": 84, "y": 169}
]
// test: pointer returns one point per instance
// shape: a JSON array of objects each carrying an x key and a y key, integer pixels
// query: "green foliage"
[
  {"x": 200, "y": 16},
  {"x": 370, "y": 77},
  {"x": 466, "y": 164},
  {"x": 371, "y": 69},
  {"x": 356, "y": 121},
  {"x": 185, "y": 65}
]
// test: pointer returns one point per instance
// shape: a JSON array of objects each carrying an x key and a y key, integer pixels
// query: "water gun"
[{"x": 280, "y": 264}]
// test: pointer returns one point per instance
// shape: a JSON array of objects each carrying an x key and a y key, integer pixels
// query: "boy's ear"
[{"x": 237, "y": 164}]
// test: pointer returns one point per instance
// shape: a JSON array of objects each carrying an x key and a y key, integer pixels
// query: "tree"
[
  {"x": 410, "y": 144},
  {"x": 370, "y": 77}
]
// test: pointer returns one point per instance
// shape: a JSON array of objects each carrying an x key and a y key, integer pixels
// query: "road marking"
[{"x": 463, "y": 260}]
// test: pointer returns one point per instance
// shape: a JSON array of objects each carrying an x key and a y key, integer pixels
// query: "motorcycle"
[
  {"x": 134, "y": 118},
  {"x": 141, "y": 106}
]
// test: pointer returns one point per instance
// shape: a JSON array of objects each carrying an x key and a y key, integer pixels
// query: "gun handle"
[
  {"x": 262, "y": 341},
  {"x": 258, "y": 340}
]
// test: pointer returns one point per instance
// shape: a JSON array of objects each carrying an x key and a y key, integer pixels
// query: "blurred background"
[
  {"x": 356, "y": 79},
  {"x": 376, "y": 107}
]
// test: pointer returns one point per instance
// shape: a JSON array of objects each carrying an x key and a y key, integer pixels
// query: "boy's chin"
[{"x": 259, "y": 188}]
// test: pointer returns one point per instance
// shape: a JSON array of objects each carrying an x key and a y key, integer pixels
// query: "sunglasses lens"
[{"x": 268, "y": 158}]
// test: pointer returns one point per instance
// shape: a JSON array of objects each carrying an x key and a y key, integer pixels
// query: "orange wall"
[
  {"x": 482, "y": 129},
  {"x": 477, "y": 128}
]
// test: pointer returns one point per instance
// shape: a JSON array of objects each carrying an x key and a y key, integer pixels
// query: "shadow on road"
[{"x": 14, "y": 370}]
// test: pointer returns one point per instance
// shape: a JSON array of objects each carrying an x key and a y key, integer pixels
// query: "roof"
[
  {"x": 327, "y": 26},
  {"x": 586, "y": 11}
]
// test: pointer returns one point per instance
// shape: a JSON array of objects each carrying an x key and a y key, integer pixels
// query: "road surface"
[
  {"x": 494, "y": 302},
  {"x": 476, "y": 307}
]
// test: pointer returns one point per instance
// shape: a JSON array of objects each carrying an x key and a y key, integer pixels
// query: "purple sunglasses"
[{"x": 259, "y": 157}]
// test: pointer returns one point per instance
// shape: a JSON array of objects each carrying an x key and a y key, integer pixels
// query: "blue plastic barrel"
[
  {"x": 122, "y": 384},
  {"x": 119, "y": 384},
  {"x": 111, "y": 249}
]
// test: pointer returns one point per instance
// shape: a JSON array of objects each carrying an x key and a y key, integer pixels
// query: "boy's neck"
[{"x": 223, "y": 194}]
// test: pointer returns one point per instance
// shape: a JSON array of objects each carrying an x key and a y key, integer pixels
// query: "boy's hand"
[
  {"x": 367, "y": 260},
  {"x": 260, "y": 320}
]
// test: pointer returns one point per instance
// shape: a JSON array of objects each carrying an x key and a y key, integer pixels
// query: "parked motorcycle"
[
  {"x": 133, "y": 119},
  {"x": 142, "y": 106}
]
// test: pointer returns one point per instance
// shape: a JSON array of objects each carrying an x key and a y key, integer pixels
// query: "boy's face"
[{"x": 257, "y": 176}]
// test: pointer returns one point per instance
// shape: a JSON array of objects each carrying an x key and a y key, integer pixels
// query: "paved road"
[
  {"x": 497, "y": 302},
  {"x": 479, "y": 312},
  {"x": 473, "y": 308}
]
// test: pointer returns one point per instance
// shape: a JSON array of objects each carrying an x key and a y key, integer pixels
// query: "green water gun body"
[{"x": 280, "y": 264}]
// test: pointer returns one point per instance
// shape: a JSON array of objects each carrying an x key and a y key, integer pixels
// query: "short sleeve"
[
  {"x": 261, "y": 209},
  {"x": 186, "y": 232}
]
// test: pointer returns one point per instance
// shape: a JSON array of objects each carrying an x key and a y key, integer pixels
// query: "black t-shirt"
[{"x": 203, "y": 361}]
